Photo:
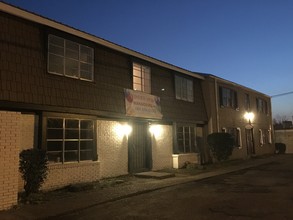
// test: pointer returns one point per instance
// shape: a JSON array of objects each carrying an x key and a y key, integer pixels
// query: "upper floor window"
[
  {"x": 261, "y": 106},
  {"x": 184, "y": 88},
  {"x": 141, "y": 78},
  {"x": 70, "y": 59},
  {"x": 228, "y": 98},
  {"x": 247, "y": 102}
]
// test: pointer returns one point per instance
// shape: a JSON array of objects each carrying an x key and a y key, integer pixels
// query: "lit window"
[
  {"x": 70, "y": 59},
  {"x": 186, "y": 139},
  {"x": 184, "y": 88},
  {"x": 228, "y": 98},
  {"x": 141, "y": 78},
  {"x": 70, "y": 140}
]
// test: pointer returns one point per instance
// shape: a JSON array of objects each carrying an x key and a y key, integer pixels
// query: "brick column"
[{"x": 9, "y": 158}]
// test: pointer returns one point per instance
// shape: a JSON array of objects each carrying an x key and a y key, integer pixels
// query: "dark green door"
[{"x": 139, "y": 149}]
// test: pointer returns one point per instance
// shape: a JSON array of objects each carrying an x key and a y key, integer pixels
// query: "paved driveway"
[{"x": 263, "y": 192}]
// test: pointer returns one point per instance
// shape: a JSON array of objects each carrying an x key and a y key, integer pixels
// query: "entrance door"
[
  {"x": 139, "y": 149},
  {"x": 249, "y": 141}
]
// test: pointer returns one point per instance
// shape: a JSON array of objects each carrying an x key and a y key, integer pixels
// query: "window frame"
[
  {"x": 81, "y": 62},
  {"x": 141, "y": 78},
  {"x": 247, "y": 102},
  {"x": 261, "y": 137},
  {"x": 228, "y": 97},
  {"x": 184, "y": 88},
  {"x": 236, "y": 134},
  {"x": 187, "y": 143},
  {"x": 261, "y": 105},
  {"x": 66, "y": 131}
]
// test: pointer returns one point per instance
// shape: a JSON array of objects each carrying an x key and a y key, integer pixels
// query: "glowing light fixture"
[
  {"x": 249, "y": 116},
  {"x": 155, "y": 130},
  {"x": 127, "y": 129},
  {"x": 123, "y": 130}
]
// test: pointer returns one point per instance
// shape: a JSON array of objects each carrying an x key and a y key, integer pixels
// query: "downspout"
[{"x": 217, "y": 104}]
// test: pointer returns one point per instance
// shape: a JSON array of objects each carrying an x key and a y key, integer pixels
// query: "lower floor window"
[
  {"x": 236, "y": 134},
  {"x": 70, "y": 140},
  {"x": 186, "y": 142}
]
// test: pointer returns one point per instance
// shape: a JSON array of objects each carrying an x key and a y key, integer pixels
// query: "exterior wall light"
[
  {"x": 127, "y": 129},
  {"x": 123, "y": 130},
  {"x": 155, "y": 130},
  {"x": 249, "y": 116}
]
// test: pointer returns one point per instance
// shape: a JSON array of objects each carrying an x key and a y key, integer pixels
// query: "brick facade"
[
  {"x": 9, "y": 156},
  {"x": 27, "y": 138},
  {"x": 61, "y": 175},
  {"x": 112, "y": 149},
  {"x": 162, "y": 148}
]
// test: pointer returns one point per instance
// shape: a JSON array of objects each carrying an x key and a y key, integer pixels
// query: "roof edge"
[
  {"x": 19, "y": 12},
  {"x": 233, "y": 83}
]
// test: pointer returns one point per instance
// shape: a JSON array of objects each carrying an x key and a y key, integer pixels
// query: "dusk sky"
[{"x": 249, "y": 42}]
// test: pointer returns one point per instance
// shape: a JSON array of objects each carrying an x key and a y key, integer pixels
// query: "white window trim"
[
  {"x": 270, "y": 135},
  {"x": 239, "y": 137},
  {"x": 261, "y": 140}
]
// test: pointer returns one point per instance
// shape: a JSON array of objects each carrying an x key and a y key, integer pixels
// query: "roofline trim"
[
  {"x": 62, "y": 27},
  {"x": 236, "y": 84}
]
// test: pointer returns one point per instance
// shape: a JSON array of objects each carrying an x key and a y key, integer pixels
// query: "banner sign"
[{"x": 139, "y": 104}]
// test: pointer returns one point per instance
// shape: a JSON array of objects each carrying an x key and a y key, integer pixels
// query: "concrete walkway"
[{"x": 72, "y": 202}]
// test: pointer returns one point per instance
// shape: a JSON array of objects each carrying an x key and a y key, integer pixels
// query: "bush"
[
  {"x": 33, "y": 166},
  {"x": 280, "y": 148},
  {"x": 221, "y": 145}
]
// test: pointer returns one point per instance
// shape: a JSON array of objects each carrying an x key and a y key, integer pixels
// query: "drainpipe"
[{"x": 217, "y": 105}]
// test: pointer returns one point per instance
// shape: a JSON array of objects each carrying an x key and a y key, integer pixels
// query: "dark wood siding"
[
  {"x": 172, "y": 108},
  {"x": 24, "y": 77},
  {"x": 25, "y": 80}
]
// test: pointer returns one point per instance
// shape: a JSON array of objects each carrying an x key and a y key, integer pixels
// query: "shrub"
[
  {"x": 280, "y": 148},
  {"x": 33, "y": 166},
  {"x": 221, "y": 145}
]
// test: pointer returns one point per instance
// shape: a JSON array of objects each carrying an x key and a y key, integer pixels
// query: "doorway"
[
  {"x": 249, "y": 142},
  {"x": 139, "y": 148}
]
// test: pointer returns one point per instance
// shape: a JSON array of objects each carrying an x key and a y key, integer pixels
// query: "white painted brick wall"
[
  {"x": 9, "y": 158},
  {"x": 61, "y": 175},
  {"x": 27, "y": 131},
  {"x": 162, "y": 148},
  {"x": 112, "y": 149}
]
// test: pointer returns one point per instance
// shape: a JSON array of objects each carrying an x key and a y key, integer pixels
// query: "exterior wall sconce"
[
  {"x": 249, "y": 116},
  {"x": 155, "y": 130},
  {"x": 123, "y": 130}
]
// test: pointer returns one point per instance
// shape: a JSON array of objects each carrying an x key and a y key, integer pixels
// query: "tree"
[
  {"x": 33, "y": 166},
  {"x": 221, "y": 145}
]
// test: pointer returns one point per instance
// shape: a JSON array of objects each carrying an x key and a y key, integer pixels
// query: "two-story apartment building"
[
  {"x": 97, "y": 108},
  {"x": 102, "y": 110},
  {"x": 242, "y": 112}
]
